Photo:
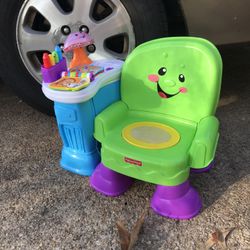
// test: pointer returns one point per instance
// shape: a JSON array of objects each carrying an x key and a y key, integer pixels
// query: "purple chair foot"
[
  {"x": 109, "y": 182},
  {"x": 176, "y": 202},
  {"x": 202, "y": 170}
]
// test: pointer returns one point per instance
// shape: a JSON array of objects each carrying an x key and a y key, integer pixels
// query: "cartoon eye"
[
  {"x": 162, "y": 71},
  {"x": 181, "y": 78}
]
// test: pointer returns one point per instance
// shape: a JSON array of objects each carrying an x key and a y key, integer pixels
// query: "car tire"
[{"x": 148, "y": 19}]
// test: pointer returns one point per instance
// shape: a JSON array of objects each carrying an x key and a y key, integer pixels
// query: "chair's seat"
[
  {"x": 150, "y": 148},
  {"x": 150, "y": 135}
]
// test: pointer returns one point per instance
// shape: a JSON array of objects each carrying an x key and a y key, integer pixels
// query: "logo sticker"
[{"x": 132, "y": 161}]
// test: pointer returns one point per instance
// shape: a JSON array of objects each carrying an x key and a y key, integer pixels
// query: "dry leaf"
[
  {"x": 124, "y": 235},
  {"x": 218, "y": 238},
  {"x": 136, "y": 229},
  {"x": 127, "y": 239},
  {"x": 224, "y": 101},
  {"x": 227, "y": 233}
]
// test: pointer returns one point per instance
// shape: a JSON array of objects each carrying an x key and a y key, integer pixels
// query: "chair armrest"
[
  {"x": 108, "y": 118},
  {"x": 203, "y": 147}
]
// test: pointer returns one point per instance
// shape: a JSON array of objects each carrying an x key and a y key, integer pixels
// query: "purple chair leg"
[
  {"x": 176, "y": 202},
  {"x": 109, "y": 182},
  {"x": 203, "y": 170}
]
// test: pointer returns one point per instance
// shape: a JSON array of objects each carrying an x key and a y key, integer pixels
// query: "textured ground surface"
[{"x": 44, "y": 207}]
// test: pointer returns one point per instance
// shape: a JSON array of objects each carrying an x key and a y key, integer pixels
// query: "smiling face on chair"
[
  {"x": 166, "y": 86},
  {"x": 178, "y": 77}
]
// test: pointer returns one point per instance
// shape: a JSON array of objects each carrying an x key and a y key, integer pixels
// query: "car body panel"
[{"x": 220, "y": 21}]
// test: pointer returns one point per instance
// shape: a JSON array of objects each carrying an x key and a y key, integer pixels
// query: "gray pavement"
[{"x": 45, "y": 207}]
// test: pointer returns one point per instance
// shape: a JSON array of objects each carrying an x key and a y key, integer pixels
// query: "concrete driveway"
[{"x": 45, "y": 207}]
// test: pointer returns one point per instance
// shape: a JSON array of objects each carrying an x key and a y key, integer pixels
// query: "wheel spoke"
[
  {"x": 81, "y": 11},
  {"x": 30, "y": 40},
  {"x": 51, "y": 11},
  {"x": 101, "y": 54},
  {"x": 113, "y": 25}
]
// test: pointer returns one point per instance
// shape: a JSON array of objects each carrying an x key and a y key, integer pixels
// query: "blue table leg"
[
  {"x": 80, "y": 152},
  {"x": 75, "y": 122}
]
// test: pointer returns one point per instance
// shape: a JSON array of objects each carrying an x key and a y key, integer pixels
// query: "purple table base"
[
  {"x": 109, "y": 182},
  {"x": 176, "y": 202}
]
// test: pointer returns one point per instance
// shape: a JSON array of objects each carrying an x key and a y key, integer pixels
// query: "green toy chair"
[{"x": 164, "y": 124}]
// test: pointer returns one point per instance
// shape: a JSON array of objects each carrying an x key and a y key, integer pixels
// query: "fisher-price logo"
[{"x": 132, "y": 161}]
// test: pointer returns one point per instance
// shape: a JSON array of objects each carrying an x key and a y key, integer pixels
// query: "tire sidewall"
[{"x": 13, "y": 70}]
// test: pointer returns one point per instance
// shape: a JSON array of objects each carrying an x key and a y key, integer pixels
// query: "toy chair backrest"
[{"x": 178, "y": 76}]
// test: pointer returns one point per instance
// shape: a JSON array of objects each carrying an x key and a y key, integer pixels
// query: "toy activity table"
[{"x": 75, "y": 113}]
